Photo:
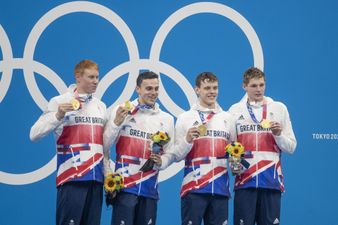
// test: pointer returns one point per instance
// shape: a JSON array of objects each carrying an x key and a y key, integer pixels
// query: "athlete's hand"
[
  {"x": 192, "y": 134},
  {"x": 121, "y": 114},
  {"x": 156, "y": 158},
  {"x": 62, "y": 109},
  {"x": 235, "y": 169},
  {"x": 276, "y": 128}
]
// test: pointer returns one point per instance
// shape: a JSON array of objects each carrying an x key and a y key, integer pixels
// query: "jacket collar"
[
  {"x": 197, "y": 106},
  {"x": 145, "y": 108}
]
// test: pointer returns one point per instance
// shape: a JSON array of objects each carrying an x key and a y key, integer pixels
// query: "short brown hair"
[
  {"x": 252, "y": 72},
  {"x": 85, "y": 64},
  {"x": 145, "y": 75},
  {"x": 205, "y": 77}
]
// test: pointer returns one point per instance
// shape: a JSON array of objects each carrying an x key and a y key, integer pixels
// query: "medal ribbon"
[
  {"x": 252, "y": 115},
  {"x": 82, "y": 100},
  {"x": 140, "y": 106},
  {"x": 209, "y": 117}
]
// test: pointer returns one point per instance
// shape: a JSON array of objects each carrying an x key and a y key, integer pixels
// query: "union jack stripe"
[
  {"x": 197, "y": 161},
  {"x": 138, "y": 178},
  {"x": 128, "y": 159},
  {"x": 79, "y": 171},
  {"x": 253, "y": 171},
  {"x": 69, "y": 149},
  {"x": 203, "y": 181},
  {"x": 280, "y": 176}
]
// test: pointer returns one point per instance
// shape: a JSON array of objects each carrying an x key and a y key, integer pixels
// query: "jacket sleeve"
[
  {"x": 234, "y": 116},
  {"x": 181, "y": 147},
  {"x": 111, "y": 130},
  {"x": 232, "y": 128},
  {"x": 46, "y": 123},
  {"x": 110, "y": 136},
  {"x": 171, "y": 143},
  {"x": 106, "y": 154},
  {"x": 286, "y": 141}
]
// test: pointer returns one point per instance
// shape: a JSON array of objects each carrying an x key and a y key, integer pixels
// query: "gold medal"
[
  {"x": 129, "y": 106},
  {"x": 265, "y": 123},
  {"x": 202, "y": 129},
  {"x": 75, "y": 103}
]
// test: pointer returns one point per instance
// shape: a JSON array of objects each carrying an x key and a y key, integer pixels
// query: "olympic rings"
[{"x": 132, "y": 67}]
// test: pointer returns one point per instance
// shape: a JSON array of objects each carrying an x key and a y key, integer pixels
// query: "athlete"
[
  {"x": 129, "y": 128},
  {"x": 77, "y": 120},
  {"x": 264, "y": 128},
  {"x": 201, "y": 136}
]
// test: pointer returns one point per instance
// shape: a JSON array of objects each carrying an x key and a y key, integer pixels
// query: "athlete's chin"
[
  {"x": 151, "y": 102},
  {"x": 211, "y": 101}
]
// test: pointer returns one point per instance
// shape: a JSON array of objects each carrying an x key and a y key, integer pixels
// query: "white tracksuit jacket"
[
  {"x": 265, "y": 166},
  {"x": 205, "y": 163},
  {"x": 133, "y": 147},
  {"x": 79, "y": 137}
]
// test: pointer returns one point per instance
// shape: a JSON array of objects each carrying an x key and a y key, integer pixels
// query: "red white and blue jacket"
[
  {"x": 205, "y": 168},
  {"x": 265, "y": 169},
  {"x": 133, "y": 147},
  {"x": 79, "y": 137}
]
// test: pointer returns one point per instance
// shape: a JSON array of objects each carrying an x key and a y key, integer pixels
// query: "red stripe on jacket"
[
  {"x": 132, "y": 146},
  {"x": 203, "y": 147},
  {"x": 266, "y": 142},
  {"x": 84, "y": 133}
]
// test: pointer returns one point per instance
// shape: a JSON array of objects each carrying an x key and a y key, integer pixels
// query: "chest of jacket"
[
  {"x": 213, "y": 143},
  {"x": 134, "y": 138}
]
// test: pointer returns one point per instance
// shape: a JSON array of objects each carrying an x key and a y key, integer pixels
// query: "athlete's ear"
[
  {"x": 244, "y": 87},
  {"x": 197, "y": 91},
  {"x": 137, "y": 89},
  {"x": 77, "y": 77}
]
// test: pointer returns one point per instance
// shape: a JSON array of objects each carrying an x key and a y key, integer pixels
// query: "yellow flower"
[
  {"x": 160, "y": 137},
  {"x": 235, "y": 149},
  {"x": 113, "y": 182},
  {"x": 156, "y": 138}
]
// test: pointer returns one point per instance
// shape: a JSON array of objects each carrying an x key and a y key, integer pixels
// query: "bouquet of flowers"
[
  {"x": 112, "y": 184},
  {"x": 235, "y": 152},
  {"x": 159, "y": 139}
]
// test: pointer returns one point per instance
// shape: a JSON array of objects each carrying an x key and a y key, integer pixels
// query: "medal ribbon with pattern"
[
  {"x": 78, "y": 101},
  {"x": 138, "y": 107},
  {"x": 265, "y": 123},
  {"x": 203, "y": 128}
]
